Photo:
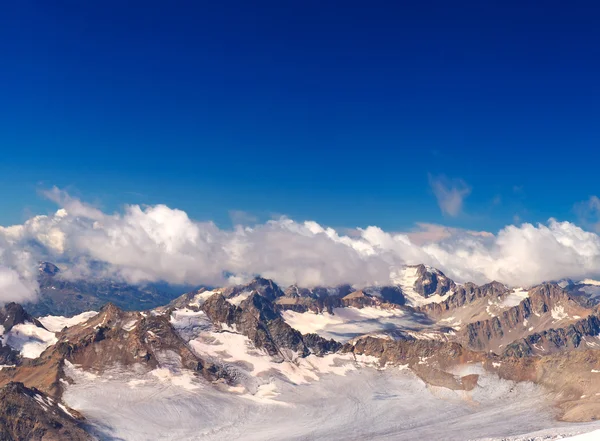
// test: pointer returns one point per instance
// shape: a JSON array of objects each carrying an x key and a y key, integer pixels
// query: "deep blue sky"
[{"x": 332, "y": 111}]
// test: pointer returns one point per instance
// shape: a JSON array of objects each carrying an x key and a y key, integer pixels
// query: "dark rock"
[
  {"x": 258, "y": 319},
  {"x": 29, "y": 414},
  {"x": 432, "y": 281}
]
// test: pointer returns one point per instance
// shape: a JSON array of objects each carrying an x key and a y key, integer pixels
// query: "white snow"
[
  {"x": 558, "y": 313},
  {"x": 29, "y": 339},
  {"x": 130, "y": 325},
  {"x": 515, "y": 297},
  {"x": 365, "y": 404},
  {"x": 346, "y": 323},
  {"x": 183, "y": 379},
  {"x": 65, "y": 410},
  {"x": 200, "y": 298},
  {"x": 589, "y": 282},
  {"x": 406, "y": 277},
  {"x": 56, "y": 323},
  {"x": 590, "y": 436},
  {"x": 238, "y": 350},
  {"x": 239, "y": 298}
]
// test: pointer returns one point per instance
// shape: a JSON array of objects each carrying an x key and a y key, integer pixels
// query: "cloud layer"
[{"x": 160, "y": 243}]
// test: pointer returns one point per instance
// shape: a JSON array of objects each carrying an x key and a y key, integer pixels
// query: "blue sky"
[{"x": 345, "y": 113}]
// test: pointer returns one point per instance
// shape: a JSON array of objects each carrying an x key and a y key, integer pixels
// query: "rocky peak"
[
  {"x": 360, "y": 299},
  {"x": 48, "y": 269},
  {"x": 431, "y": 281},
  {"x": 265, "y": 287},
  {"x": 13, "y": 314}
]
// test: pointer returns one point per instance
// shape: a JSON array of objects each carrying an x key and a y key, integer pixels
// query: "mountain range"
[{"x": 422, "y": 358}]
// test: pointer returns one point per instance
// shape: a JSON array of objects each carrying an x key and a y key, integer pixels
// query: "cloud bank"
[{"x": 154, "y": 243}]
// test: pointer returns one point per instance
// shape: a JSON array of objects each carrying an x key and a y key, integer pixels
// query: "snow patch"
[
  {"x": 56, "y": 323},
  {"x": 558, "y": 313},
  {"x": 29, "y": 339},
  {"x": 515, "y": 297}
]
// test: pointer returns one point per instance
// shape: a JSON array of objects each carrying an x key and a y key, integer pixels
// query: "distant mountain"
[{"x": 60, "y": 296}]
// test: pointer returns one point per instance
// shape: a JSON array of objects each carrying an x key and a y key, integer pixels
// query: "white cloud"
[
  {"x": 14, "y": 288},
  {"x": 450, "y": 194},
  {"x": 160, "y": 243}
]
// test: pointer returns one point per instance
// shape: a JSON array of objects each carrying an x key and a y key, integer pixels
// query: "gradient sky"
[{"x": 348, "y": 113}]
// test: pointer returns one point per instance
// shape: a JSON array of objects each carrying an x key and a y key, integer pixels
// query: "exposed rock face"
[
  {"x": 538, "y": 307},
  {"x": 360, "y": 299},
  {"x": 322, "y": 299},
  {"x": 432, "y": 281},
  {"x": 112, "y": 337},
  {"x": 28, "y": 414},
  {"x": 116, "y": 336},
  {"x": 13, "y": 314},
  {"x": 305, "y": 304},
  {"x": 8, "y": 356},
  {"x": 429, "y": 359},
  {"x": 464, "y": 294},
  {"x": 390, "y": 294},
  {"x": 264, "y": 287},
  {"x": 318, "y": 292},
  {"x": 556, "y": 339},
  {"x": 257, "y": 318}
]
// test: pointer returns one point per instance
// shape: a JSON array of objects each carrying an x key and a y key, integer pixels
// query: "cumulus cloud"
[
  {"x": 154, "y": 243},
  {"x": 450, "y": 194},
  {"x": 14, "y": 288}
]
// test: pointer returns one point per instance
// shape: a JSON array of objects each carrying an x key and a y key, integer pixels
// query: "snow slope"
[
  {"x": 346, "y": 323},
  {"x": 365, "y": 403}
]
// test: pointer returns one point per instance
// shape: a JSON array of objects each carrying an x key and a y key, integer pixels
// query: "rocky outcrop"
[
  {"x": 112, "y": 337},
  {"x": 8, "y": 356},
  {"x": 390, "y": 294},
  {"x": 13, "y": 314},
  {"x": 556, "y": 339},
  {"x": 431, "y": 281},
  {"x": 321, "y": 299},
  {"x": 318, "y": 292},
  {"x": 258, "y": 319},
  {"x": 263, "y": 287},
  {"x": 465, "y": 294},
  {"x": 360, "y": 299},
  {"x": 542, "y": 300},
  {"x": 28, "y": 414},
  {"x": 305, "y": 304},
  {"x": 429, "y": 359}
]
